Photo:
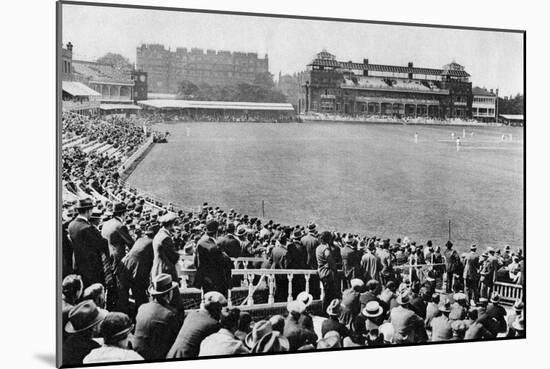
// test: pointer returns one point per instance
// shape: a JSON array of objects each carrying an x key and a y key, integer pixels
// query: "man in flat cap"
[{"x": 212, "y": 264}]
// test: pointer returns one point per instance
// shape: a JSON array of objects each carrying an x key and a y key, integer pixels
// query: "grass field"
[{"x": 371, "y": 179}]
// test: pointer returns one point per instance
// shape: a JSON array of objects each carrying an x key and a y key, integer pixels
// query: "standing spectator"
[
  {"x": 118, "y": 237},
  {"x": 165, "y": 256},
  {"x": 452, "y": 262},
  {"x": 137, "y": 265},
  {"x": 351, "y": 305},
  {"x": 212, "y": 264},
  {"x": 224, "y": 341},
  {"x": 157, "y": 323},
  {"x": 326, "y": 268},
  {"x": 471, "y": 275},
  {"x": 197, "y": 326},
  {"x": 83, "y": 318},
  {"x": 279, "y": 259},
  {"x": 88, "y": 245},
  {"x": 310, "y": 242},
  {"x": 229, "y": 243},
  {"x": 370, "y": 264},
  {"x": 485, "y": 277},
  {"x": 351, "y": 260},
  {"x": 115, "y": 330}
]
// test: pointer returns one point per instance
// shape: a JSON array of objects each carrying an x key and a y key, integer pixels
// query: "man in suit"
[
  {"x": 229, "y": 243},
  {"x": 471, "y": 275},
  {"x": 408, "y": 327},
  {"x": 118, "y": 237},
  {"x": 212, "y": 264},
  {"x": 88, "y": 245},
  {"x": 197, "y": 326},
  {"x": 116, "y": 233},
  {"x": 326, "y": 269},
  {"x": 157, "y": 324},
  {"x": 297, "y": 328},
  {"x": 441, "y": 325},
  {"x": 370, "y": 264},
  {"x": 310, "y": 243},
  {"x": 137, "y": 265},
  {"x": 351, "y": 260},
  {"x": 452, "y": 262},
  {"x": 165, "y": 256},
  {"x": 280, "y": 259}
]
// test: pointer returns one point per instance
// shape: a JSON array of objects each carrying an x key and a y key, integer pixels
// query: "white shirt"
[{"x": 107, "y": 353}]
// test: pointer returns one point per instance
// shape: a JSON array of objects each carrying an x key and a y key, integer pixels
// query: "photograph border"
[{"x": 58, "y": 213}]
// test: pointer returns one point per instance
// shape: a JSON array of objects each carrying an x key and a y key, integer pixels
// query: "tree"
[
  {"x": 265, "y": 80},
  {"x": 188, "y": 90},
  {"x": 116, "y": 60}
]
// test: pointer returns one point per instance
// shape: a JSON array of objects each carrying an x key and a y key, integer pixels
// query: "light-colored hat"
[
  {"x": 388, "y": 331},
  {"x": 356, "y": 282},
  {"x": 473, "y": 247},
  {"x": 214, "y": 297},
  {"x": 373, "y": 309},
  {"x": 519, "y": 323},
  {"x": 296, "y": 306},
  {"x": 305, "y": 297},
  {"x": 167, "y": 218},
  {"x": 334, "y": 308},
  {"x": 459, "y": 296}
]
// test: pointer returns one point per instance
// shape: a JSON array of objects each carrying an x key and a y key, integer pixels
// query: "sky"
[{"x": 493, "y": 59}]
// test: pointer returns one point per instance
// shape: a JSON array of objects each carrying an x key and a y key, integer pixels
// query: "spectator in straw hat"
[
  {"x": 332, "y": 323},
  {"x": 88, "y": 246},
  {"x": 298, "y": 327},
  {"x": 212, "y": 264},
  {"x": 374, "y": 314},
  {"x": 224, "y": 341},
  {"x": 157, "y": 323},
  {"x": 83, "y": 318},
  {"x": 197, "y": 326},
  {"x": 115, "y": 329}
]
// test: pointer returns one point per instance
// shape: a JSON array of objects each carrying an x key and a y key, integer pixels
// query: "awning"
[
  {"x": 78, "y": 89},
  {"x": 219, "y": 105},
  {"x": 119, "y": 106},
  {"x": 512, "y": 116}
]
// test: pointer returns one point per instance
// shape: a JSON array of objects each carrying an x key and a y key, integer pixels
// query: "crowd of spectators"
[
  {"x": 213, "y": 116},
  {"x": 122, "y": 296}
]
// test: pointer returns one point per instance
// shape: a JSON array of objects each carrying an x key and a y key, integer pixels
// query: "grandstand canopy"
[
  {"x": 78, "y": 89},
  {"x": 512, "y": 116},
  {"x": 119, "y": 106},
  {"x": 218, "y": 105}
]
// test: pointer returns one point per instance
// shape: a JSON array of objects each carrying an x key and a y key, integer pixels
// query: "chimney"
[
  {"x": 365, "y": 71},
  {"x": 491, "y": 91},
  {"x": 410, "y": 65},
  {"x": 69, "y": 46}
]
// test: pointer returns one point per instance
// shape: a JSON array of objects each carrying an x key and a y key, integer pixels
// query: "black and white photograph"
[{"x": 238, "y": 184}]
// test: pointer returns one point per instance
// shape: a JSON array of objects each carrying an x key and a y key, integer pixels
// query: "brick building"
[
  {"x": 167, "y": 68},
  {"x": 350, "y": 88}
]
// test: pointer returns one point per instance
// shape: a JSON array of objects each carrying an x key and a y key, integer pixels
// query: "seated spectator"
[
  {"x": 115, "y": 330},
  {"x": 245, "y": 320},
  {"x": 441, "y": 325},
  {"x": 71, "y": 292},
  {"x": 332, "y": 323},
  {"x": 224, "y": 341},
  {"x": 82, "y": 319},
  {"x": 197, "y": 326},
  {"x": 96, "y": 293},
  {"x": 157, "y": 323},
  {"x": 297, "y": 329}
]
